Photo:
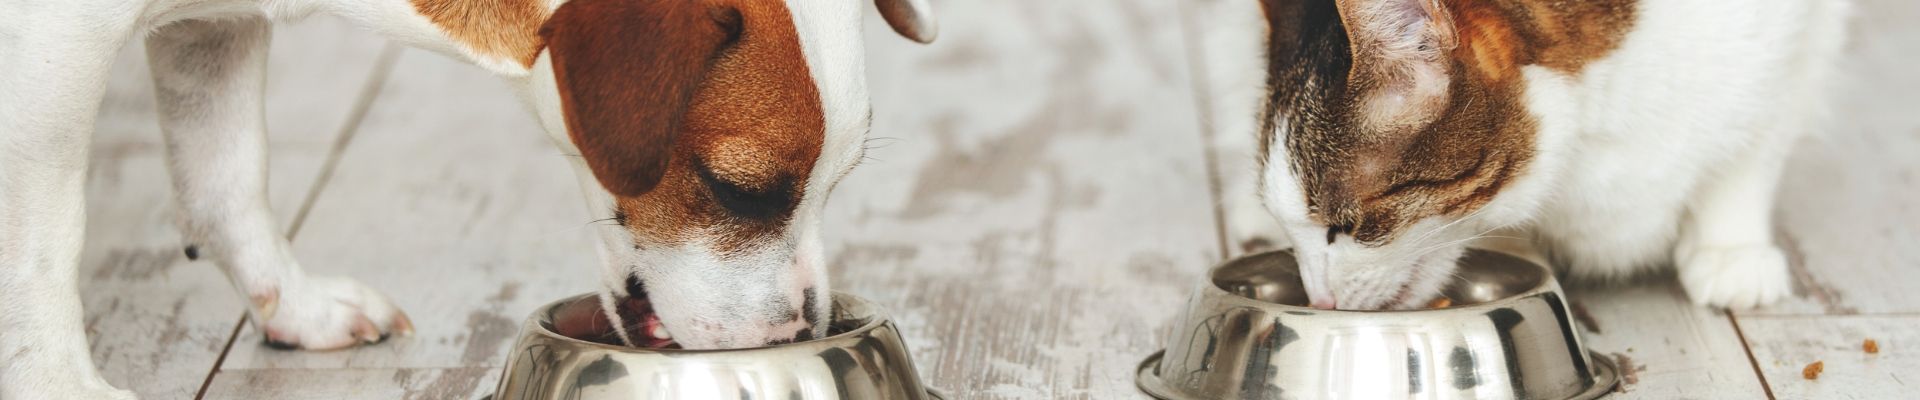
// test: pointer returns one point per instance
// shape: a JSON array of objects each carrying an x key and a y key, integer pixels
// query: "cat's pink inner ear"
[{"x": 1399, "y": 29}]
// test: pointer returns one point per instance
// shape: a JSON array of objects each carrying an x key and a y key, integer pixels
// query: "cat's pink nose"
[{"x": 1326, "y": 304}]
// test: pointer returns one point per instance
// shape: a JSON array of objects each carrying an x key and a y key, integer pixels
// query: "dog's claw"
[
  {"x": 402, "y": 325},
  {"x": 322, "y": 313},
  {"x": 365, "y": 330},
  {"x": 266, "y": 303}
]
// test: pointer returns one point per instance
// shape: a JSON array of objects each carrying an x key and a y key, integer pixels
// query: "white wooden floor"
[{"x": 1044, "y": 201}]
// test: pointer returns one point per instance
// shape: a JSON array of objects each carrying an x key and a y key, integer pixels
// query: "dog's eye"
[{"x": 775, "y": 200}]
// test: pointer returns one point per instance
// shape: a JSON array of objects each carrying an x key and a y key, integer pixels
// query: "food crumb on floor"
[
  {"x": 1870, "y": 346},
  {"x": 1629, "y": 373},
  {"x": 1812, "y": 371}
]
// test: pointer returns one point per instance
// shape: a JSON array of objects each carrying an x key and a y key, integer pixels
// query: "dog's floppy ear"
[
  {"x": 911, "y": 18},
  {"x": 626, "y": 71}
]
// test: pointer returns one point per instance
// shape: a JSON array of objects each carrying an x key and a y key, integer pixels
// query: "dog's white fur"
[
  {"x": 208, "y": 62},
  {"x": 1667, "y": 149}
]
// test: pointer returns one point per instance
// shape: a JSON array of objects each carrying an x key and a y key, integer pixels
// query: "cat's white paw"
[
  {"x": 1735, "y": 277},
  {"x": 321, "y": 313}
]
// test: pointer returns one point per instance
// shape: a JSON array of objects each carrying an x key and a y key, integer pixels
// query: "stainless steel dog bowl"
[
  {"x": 1246, "y": 335},
  {"x": 867, "y": 361}
]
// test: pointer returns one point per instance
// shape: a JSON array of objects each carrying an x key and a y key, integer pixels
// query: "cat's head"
[{"x": 1394, "y": 132}]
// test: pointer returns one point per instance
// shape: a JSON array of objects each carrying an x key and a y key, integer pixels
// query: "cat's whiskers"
[
  {"x": 1436, "y": 231},
  {"x": 1483, "y": 234},
  {"x": 1398, "y": 255}
]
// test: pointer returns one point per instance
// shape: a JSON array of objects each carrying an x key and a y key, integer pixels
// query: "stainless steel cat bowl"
[
  {"x": 866, "y": 362},
  {"x": 1246, "y": 335}
]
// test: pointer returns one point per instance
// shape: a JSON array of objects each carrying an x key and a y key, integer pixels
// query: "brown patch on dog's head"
[
  {"x": 1398, "y": 110},
  {"x": 701, "y": 117},
  {"x": 507, "y": 29}
]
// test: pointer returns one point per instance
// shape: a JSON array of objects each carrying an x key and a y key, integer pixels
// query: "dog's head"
[{"x": 718, "y": 127}]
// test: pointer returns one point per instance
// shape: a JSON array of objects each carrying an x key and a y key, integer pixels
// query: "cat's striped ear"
[{"x": 1400, "y": 60}]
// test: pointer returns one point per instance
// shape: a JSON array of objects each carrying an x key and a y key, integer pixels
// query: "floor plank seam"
[
  {"x": 382, "y": 68},
  {"x": 1751, "y": 360},
  {"x": 1203, "y": 105},
  {"x": 231, "y": 337}
]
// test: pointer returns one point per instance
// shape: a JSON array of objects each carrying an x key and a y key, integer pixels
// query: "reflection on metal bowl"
[
  {"x": 1245, "y": 334},
  {"x": 864, "y": 360}
]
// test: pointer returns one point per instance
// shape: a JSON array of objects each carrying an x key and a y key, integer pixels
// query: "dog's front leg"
[
  {"x": 208, "y": 77},
  {"x": 54, "y": 60}
]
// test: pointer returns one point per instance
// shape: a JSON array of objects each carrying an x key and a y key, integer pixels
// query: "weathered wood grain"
[
  {"x": 156, "y": 321},
  {"x": 1666, "y": 347},
  {"x": 1784, "y": 346},
  {"x": 1227, "y": 43},
  {"x": 1037, "y": 208},
  {"x": 369, "y": 383},
  {"x": 451, "y": 201},
  {"x": 1847, "y": 214},
  {"x": 1678, "y": 350}
]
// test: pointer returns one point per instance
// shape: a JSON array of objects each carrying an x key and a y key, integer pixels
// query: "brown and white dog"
[{"x": 711, "y": 130}]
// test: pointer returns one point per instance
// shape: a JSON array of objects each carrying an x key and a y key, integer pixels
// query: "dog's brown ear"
[
  {"x": 910, "y": 18},
  {"x": 626, "y": 71}
]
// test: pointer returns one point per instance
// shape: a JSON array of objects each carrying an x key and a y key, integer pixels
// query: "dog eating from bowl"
[{"x": 709, "y": 131}]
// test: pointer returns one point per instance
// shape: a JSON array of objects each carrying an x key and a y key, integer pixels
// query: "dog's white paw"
[
  {"x": 321, "y": 313},
  {"x": 1736, "y": 276}
]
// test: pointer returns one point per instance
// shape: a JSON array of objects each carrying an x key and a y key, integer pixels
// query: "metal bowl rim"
[
  {"x": 1548, "y": 284},
  {"x": 538, "y": 325},
  {"x": 1606, "y": 377}
]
